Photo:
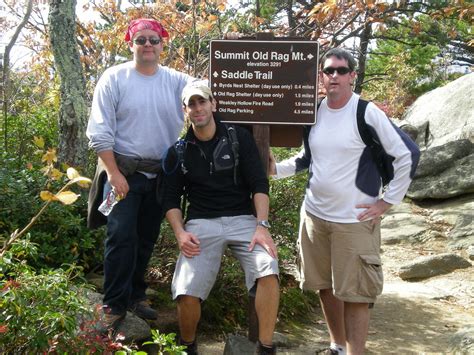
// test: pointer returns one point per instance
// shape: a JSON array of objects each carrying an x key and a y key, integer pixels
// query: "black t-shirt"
[{"x": 207, "y": 176}]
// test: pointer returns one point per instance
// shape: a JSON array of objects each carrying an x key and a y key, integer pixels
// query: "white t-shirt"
[{"x": 338, "y": 180}]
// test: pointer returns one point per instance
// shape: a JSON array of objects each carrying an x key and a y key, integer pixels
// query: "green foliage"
[
  {"x": 411, "y": 57},
  {"x": 60, "y": 233},
  {"x": 39, "y": 311},
  {"x": 32, "y": 113},
  {"x": 166, "y": 343}
]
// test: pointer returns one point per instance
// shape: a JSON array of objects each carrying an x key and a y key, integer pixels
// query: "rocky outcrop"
[
  {"x": 433, "y": 265},
  {"x": 444, "y": 171},
  {"x": 462, "y": 342},
  {"x": 132, "y": 329},
  {"x": 444, "y": 114}
]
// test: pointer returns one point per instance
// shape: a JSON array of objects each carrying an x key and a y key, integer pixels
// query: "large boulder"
[
  {"x": 444, "y": 114},
  {"x": 444, "y": 171}
]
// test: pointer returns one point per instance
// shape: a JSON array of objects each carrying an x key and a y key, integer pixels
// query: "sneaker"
[
  {"x": 191, "y": 348},
  {"x": 331, "y": 352},
  {"x": 261, "y": 349},
  {"x": 143, "y": 310}
]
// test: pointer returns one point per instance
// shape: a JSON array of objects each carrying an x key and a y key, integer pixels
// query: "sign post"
[{"x": 270, "y": 84}]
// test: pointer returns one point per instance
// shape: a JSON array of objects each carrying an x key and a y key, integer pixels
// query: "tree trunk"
[
  {"x": 291, "y": 18},
  {"x": 6, "y": 71},
  {"x": 365, "y": 37},
  {"x": 73, "y": 111}
]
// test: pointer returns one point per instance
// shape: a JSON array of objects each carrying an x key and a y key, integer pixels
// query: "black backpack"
[
  {"x": 180, "y": 147},
  {"x": 382, "y": 160}
]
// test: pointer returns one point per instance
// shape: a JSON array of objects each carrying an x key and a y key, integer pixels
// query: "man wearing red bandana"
[{"x": 136, "y": 115}]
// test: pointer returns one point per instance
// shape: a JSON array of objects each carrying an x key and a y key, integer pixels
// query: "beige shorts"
[{"x": 341, "y": 256}]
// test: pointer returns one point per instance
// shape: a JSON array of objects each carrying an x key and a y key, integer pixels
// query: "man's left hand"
[
  {"x": 262, "y": 237},
  {"x": 373, "y": 211}
]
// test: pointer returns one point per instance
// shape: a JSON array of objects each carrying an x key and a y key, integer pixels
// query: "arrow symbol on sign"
[
  {"x": 215, "y": 84},
  {"x": 215, "y": 93},
  {"x": 215, "y": 74},
  {"x": 310, "y": 56}
]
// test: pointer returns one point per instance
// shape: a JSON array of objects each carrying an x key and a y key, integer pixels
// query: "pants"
[{"x": 133, "y": 227}]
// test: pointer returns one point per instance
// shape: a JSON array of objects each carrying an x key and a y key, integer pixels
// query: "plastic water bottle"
[{"x": 110, "y": 201}]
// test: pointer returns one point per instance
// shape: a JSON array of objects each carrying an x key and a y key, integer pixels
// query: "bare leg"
[
  {"x": 189, "y": 313},
  {"x": 333, "y": 310},
  {"x": 356, "y": 316},
  {"x": 266, "y": 304}
]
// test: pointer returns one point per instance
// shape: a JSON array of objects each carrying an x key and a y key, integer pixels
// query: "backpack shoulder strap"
[
  {"x": 320, "y": 99},
  {"x": 362, "y": 125},
  {"x": 234, "y": 143}
]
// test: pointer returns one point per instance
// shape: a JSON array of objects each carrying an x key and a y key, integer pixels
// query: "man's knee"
[
  {"x": 269, "y": 279},
  {"x": 188, "y": 301}
]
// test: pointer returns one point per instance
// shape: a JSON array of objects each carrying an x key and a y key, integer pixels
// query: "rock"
[
  {"x": 444, "y": 114},
  {"x": 96, "y": 280},
  {"x": 400, "y": 224},
  {"x": 454, "y": 181},
  {"x": 470, "y": 252},
  {"x": 133, "y": 328},
  {"x": 238, "y": 345},
  {"x": 462, "y": 342},
  {"x": 281, "y": 340},
  {"x": 462, "y": 234},
  {"x": 435, "y": 160},
  {"x": 457, "y": 213},
  {"x": 411, "y": 289},
  {"x": 409, "y": 129},
  {"x": 429, "y": 266}
]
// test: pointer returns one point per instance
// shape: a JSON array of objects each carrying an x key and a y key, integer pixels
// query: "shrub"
[{"x": 60, "y": 233}]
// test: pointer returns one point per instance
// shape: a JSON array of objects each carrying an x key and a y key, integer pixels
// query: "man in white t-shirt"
[
  {"x": 339, "y": 238},
  {"x": 136, "y": 115}
]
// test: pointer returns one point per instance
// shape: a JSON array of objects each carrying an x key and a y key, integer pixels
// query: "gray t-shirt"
[{"x": 137, "y": 115}]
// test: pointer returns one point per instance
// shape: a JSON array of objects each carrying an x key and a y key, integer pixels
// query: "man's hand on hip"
[
  {"x": 373, "y": 211},
  {"x": 188, "y": 244},
  {"x": 262, "y": 237}
]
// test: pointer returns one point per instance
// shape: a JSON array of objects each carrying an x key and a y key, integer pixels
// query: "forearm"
[
  {"x": 261, "y": 202},
  {"x": 175, "y": 219},
  {"x": 108, "y": 160}
]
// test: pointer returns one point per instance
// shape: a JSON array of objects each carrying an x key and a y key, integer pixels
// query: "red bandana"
[{"x": 144, "y": 24}]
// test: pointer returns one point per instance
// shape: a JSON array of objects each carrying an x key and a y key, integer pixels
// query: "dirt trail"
[{"x": 409, "y": 317}]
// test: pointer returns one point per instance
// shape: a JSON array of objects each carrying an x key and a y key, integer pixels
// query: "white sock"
[{"x": 341, "y": 349}]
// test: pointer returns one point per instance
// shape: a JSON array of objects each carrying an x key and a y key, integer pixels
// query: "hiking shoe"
[
  {"x": 143, "y": 310},
  {"x": 110, "y": 323},
  {"x": 191, "y": 348},
  {"x": 331, "y": 352},
  {"x": 262, "y": 349}
]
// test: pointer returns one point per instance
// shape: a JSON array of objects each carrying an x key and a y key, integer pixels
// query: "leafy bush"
[{"x": 60, "y": 233}]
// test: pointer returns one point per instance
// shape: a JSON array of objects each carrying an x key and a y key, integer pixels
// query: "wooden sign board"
[{"x": 265, "y": 82}]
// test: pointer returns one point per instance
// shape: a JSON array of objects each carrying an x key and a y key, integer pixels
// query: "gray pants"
[{"x": 196, "y": 276}]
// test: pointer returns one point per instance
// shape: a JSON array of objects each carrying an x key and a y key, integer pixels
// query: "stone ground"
[{"x": 409, "y": 317}]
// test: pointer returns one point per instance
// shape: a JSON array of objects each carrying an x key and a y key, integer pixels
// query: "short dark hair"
[{"x": 340, "y": 53}]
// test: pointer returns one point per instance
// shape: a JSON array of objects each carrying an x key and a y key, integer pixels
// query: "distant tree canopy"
[{"x": 401, "y": 46}]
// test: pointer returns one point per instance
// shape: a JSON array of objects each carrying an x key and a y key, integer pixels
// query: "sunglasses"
[
  {"x": 142, "y": 40},
  {"x": 340, "y": 70}
]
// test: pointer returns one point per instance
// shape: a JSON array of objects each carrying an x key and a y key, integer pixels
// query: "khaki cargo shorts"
[{"x": 341, "y": 256}]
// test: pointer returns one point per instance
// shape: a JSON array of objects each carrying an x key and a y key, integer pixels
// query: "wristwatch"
[{"x": 264, "y": 224}]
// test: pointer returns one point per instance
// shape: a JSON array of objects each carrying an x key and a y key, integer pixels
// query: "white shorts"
[{"x": 196, "y": 276}]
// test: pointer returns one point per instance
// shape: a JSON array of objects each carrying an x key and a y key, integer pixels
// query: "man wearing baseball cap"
[
  {"x": 218, "y": 168},
  {"x": 136, "y": 115}
]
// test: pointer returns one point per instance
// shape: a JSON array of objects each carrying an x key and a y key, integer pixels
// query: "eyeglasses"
[
  {"x": 340, "y": 70},
  {"x": 141, "y": 41}
]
